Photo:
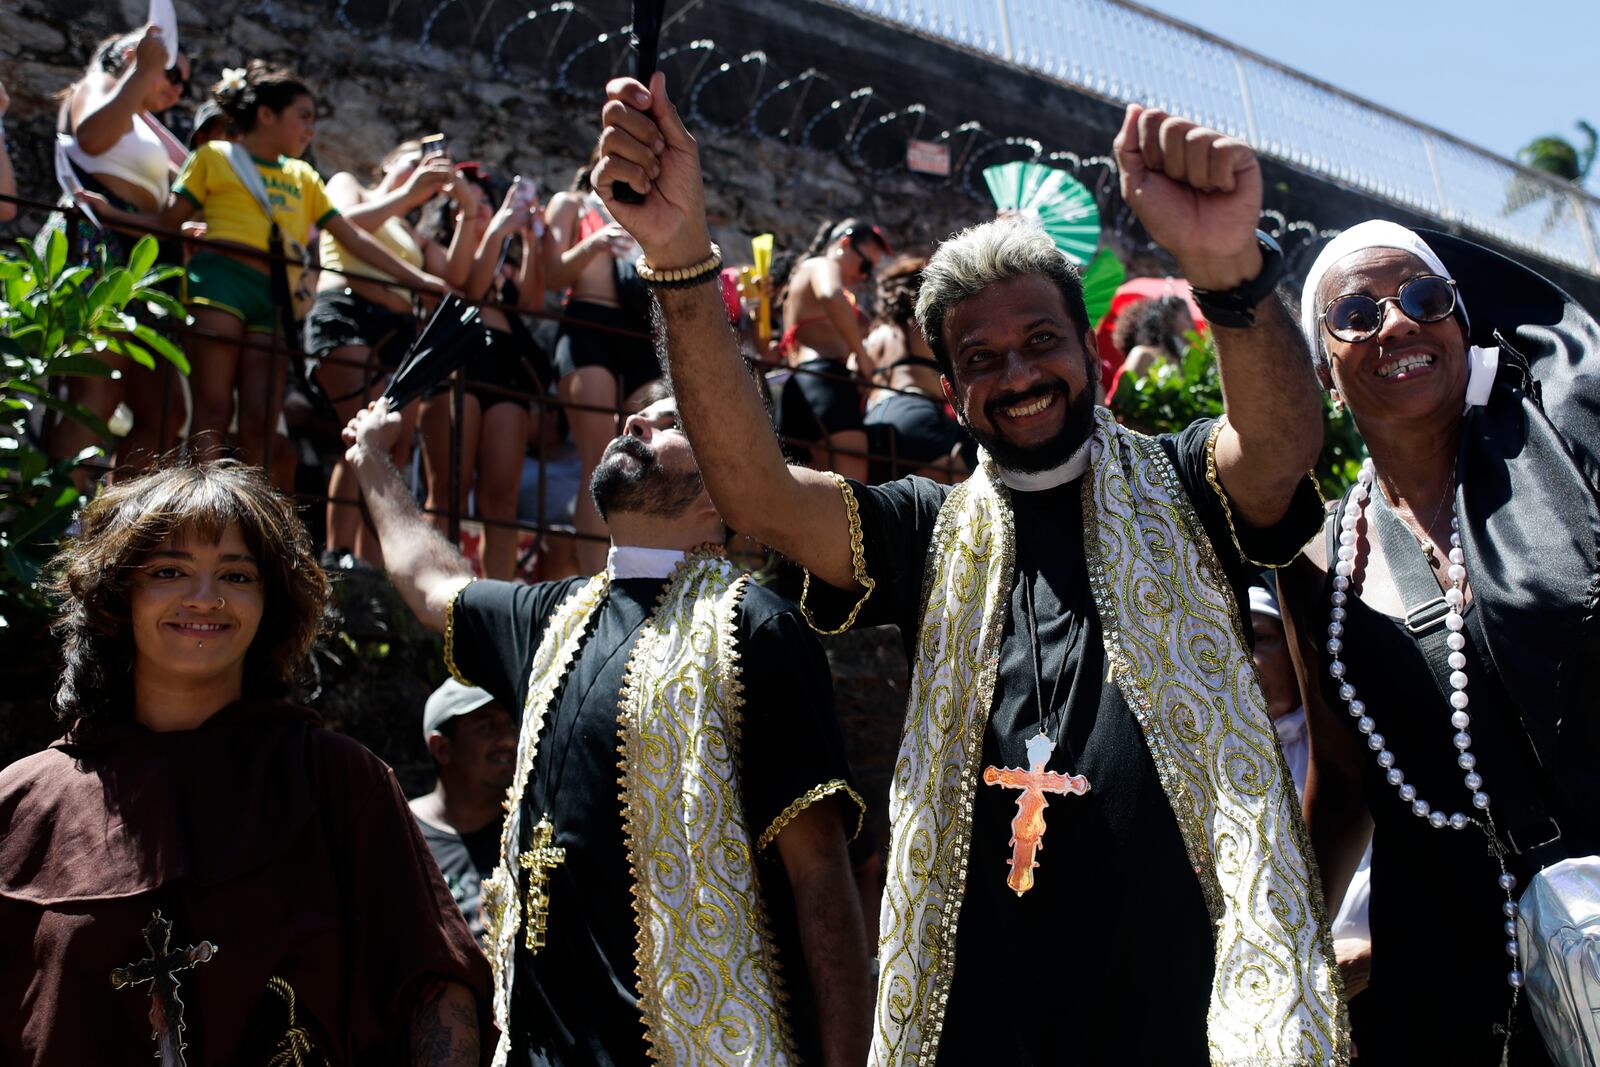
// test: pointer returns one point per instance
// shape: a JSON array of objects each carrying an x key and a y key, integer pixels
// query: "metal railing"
[
  {"x": 1127, "y": 53},
  {"x": 321, "y": 435}
]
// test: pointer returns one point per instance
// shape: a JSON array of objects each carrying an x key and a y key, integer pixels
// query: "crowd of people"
[
  {"x": 1260, "y": 732},
  {"x": 306, "y": 294}
]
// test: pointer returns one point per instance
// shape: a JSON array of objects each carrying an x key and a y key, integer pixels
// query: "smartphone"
[
  {"x": 525, "y": 191},
  {"x": 435, "y": 144}
]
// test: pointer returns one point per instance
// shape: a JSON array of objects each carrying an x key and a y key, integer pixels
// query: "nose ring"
[{"x": 222, "y": 602}]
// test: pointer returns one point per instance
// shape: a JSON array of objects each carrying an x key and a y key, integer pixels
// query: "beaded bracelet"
[{"x": 681, "y": 277}]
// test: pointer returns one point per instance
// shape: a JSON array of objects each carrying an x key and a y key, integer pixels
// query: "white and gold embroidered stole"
[
  {"x": 709, "y": 986},
  {"x": 1176, "y": 647},
  {"x": 502, "y": 910}
]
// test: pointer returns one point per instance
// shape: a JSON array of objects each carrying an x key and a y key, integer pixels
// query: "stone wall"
[{"x": 376, "y": 91}]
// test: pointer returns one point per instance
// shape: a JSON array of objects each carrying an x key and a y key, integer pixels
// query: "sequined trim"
[
  {"x": 1227, "y": 505},
  {"x": 501, "y": 909},
  {"x": 709, "y": 983},
  {"x": 1297, "y": 824},
  {"x": 804, "y": 801},
  {"x": 858, "y": 563},
  {"x": 967, "y": 580},
  {"x": 450, "y": 632},
  {"x": 1176, "y": 645}
]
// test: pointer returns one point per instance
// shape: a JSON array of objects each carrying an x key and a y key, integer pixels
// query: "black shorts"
[
  {"x": 341, "y": 319},
  {"x": 820, "y": 398},
  {"x": 500, "y": 371},
  {"x": 906, "y": 432},
  {"x": 631, "y": 359}
]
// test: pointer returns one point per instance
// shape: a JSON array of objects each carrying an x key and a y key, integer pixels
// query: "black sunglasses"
[
  {"x": 176, "y": 77},
  {"x": 1357, "y": 317}
]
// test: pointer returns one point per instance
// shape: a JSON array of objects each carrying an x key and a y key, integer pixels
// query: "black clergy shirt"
[
  {"x": 1108, "y": 958},
  {"x": 576, "y": 1003}
]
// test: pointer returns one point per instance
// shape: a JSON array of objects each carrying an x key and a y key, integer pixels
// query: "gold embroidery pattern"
[
  {"x": 502, "y": 911},
  {"x": 709, "y": 986},
  {"x": 450, "y": 633},
  {"x": 1227, "y": 505},
  {"x": 858, "y": 563},
  {"x": 1175, "y": 643},
  {"x": 804, "y": 801},
  {"x": 295, "y": 1046},
  {"x": 964, "y": 606}
]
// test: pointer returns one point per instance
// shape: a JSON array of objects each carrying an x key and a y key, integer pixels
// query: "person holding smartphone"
[
  {"x": 361, "y": 323},
  {"x": 604, "y": 354}
]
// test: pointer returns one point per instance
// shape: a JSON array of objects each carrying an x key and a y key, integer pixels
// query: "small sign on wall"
[{"x": 928, "y": 157}]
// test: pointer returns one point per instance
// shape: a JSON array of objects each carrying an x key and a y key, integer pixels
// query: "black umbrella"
[
  {"x": 450, "y": 336},
  {"x": 646, "y": 41}
]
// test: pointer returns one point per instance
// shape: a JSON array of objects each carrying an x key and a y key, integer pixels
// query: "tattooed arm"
[{"x": 444, "y": 1026}]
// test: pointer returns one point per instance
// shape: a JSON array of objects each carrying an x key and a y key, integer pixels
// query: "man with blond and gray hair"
[{"x": 1079, "y": 598}]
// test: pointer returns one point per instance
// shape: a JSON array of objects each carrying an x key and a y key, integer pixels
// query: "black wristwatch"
[{"x": 1236, "y": 307}]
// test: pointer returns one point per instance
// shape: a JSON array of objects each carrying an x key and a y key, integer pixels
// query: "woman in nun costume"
[{"x": 1444, "y": 625}]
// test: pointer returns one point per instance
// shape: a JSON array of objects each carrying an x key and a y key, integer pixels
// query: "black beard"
[
  {"x": 642, "y": 486},
  {"x": 1052, "y": 453}
]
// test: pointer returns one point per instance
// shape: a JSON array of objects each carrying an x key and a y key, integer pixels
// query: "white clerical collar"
[
  {"x": 1036, "y": 481},
  {"x": 633, "y": 561}
]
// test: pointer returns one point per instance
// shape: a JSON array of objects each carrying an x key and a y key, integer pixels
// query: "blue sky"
[{"x": 1496, "y": 74}]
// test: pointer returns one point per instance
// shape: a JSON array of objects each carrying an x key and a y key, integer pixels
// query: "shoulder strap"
[
  {"x": 243, "y": 166},
  {"x": 1530, "y": 830},
  {"x": 1419, "y": 589}
]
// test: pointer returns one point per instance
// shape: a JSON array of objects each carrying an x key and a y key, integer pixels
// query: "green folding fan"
[
  {"x": 1059, "y": 201},
  {"x": 1101, "y": 279}
]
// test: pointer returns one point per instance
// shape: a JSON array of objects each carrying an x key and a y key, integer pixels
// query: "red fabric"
[
  {"x": 591, "y": 221},
  {"x": 729, "y": 280},
  {"x": 1128, "y": 292},
  {"x": 290, "y": 848}
]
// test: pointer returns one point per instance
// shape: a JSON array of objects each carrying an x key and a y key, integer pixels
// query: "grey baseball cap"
[{"x": 450, "y": 700}]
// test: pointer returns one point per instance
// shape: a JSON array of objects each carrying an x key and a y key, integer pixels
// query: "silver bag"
[{"x": 1558, "y": 925}]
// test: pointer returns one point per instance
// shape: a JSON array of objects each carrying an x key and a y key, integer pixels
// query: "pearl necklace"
[{"x": 1455, "y": 599}]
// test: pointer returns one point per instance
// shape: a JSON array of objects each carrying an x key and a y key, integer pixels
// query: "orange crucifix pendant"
[{"x": 1027, "y": 829}]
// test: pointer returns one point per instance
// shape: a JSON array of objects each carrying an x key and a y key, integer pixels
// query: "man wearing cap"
[
  {"x": 673, "y": 880},
  {"x": 473, "y": 745}
]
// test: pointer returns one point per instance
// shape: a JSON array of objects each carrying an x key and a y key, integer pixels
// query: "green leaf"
[
  {"x": 73, "y": 277},
  {"x": 112, "y": 291},
  {"x": 137, "y": 353},
  {"x": 143, "y": 255},
  {"x": 10, "y": 268},
  {"x": 161, "y": 304},
  {"x": 157, "y": 277},
  {"x": 66, "y": 407},
  {"x": 17, "y": 289},
  {"x": 164, "y": 347},
  {"x": 41, "y": 515},
  {"x": 55, "y": 256},
  {"x": 24, "y": 568},
  {"x": 81, "y": 365},
  {"x": 31, "y": 258},
  {"x": 31, "y": 464}
]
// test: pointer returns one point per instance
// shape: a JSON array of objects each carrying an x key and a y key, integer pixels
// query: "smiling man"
[
  {"x": 473, "y": 745},
  {"x": 672, "y": 880},
  {"x": 1079, "y": 597}
]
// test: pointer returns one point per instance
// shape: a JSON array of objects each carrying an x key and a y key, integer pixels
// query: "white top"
[
  {"x": 1351, "y": 922},
  {"x": 139, "y": 158}
]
